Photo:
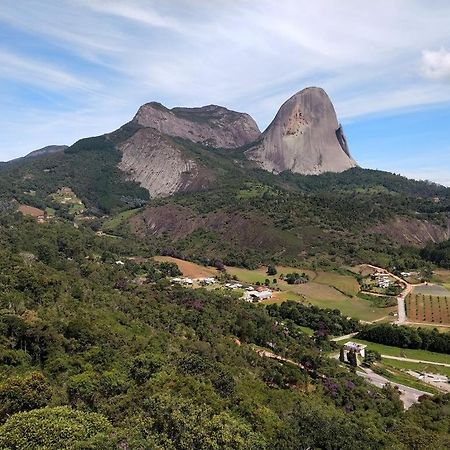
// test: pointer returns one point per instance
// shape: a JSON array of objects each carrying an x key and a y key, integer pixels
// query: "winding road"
[{"x": 408, "y": 395}]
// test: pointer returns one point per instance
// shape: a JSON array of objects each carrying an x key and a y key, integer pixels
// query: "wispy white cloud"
[
  {"x": 436, "y": 64},
  {"x": 35, "y": 72},
  {"x": 132, "y": 11}
]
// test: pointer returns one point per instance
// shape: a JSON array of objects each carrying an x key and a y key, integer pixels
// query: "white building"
[
  {"x": 359, "y": 349},
  {"x": 208, "y": 280},
  {"x": 256, "y": 296},
  {"x": 384, "y": 283},
  {"x": 233, "y": 285},
  {"x": 184, "y": 280}
]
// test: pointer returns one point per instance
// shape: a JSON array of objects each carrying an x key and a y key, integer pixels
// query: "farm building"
[
  {"x": 257, "y": 296},
  {"x": 233, "y": 285}
]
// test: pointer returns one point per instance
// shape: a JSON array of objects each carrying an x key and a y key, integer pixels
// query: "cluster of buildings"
[
  {"x": 251, "y": 294},
  {"x": 382, "y": 279},
  {"x": 257, "y": 294},
  {"x": 408, "y": 274},
  {"x": 204, "y": 281},
  {"x": 183, "y": 280}
]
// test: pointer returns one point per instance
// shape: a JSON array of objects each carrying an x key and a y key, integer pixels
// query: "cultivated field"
[{"x": 428, "y": 308}]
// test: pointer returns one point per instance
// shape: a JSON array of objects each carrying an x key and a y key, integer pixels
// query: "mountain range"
[
  {"x": 304, "y": 137},
  {"x": 205, "y": 182}
]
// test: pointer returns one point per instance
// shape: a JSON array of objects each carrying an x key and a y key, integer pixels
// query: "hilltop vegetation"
[{"x": 89, "y": 168}]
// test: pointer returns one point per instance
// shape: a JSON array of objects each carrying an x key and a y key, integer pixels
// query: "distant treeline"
[
  {"x": 407, "y": 337},
  {"x": 437, "y": 253}
]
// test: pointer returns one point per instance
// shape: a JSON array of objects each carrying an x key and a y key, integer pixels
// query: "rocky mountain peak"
[
  {"x": 212, "y": 125},
  {"x": 304, "y": 137}
]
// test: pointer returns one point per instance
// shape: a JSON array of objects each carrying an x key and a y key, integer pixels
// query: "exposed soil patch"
[
  {"x": 189, "y": 269},
  {"x": 31, "y": 211}
]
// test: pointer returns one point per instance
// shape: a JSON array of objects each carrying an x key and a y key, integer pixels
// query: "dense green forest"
[
  {"x": 89, "y": 167},
  {"x": 407, "y": 337},
  {"x": 438, "y": 254},
  {"x": 96, "y": 355}
]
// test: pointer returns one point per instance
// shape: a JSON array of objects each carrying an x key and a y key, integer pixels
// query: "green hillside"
[
  {"x": 248, "y": 216},
  {"x": 91, "y": 357}
]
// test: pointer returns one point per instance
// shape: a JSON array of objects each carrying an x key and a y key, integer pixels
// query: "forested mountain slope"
[
  {"x": 189, "y": 181},
  {"x": 90, "y": 357}
]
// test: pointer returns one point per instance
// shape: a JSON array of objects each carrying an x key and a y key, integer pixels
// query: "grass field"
[
  {"x": 424, "y": 355},
  {"x": 344, "y": 283},
  {"x": 431, "y": 289},
  {"x": 400, "y": 377},
  {"x": 189, "y": 269},
  {"x": 362, "y": 270},
  {"x": 325, "y": 289},
  {"x": 418, "y": 367},
  {"x": 440, "y": 328},
  {"x": 428, "y": 308},
  {"x": 117, "y": 220},
  {"x": 252, "y": 276},
  {"x": 442, "y": 276}
]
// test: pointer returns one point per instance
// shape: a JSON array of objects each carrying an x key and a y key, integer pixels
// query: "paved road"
[
  {"x": 408, "y": 395},
  {"x": 399, "y": 358},
  {"x": 401, "y": 310},
  {"x": 437, "y": 381}
]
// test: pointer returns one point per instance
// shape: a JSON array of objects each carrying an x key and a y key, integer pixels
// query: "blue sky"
[{"x": 76, "y": 68}]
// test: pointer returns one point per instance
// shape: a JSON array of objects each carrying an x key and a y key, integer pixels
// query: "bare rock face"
[
  {"x": 304, "y": 137},
  {"x": 211, "y": 125},
  {"x": 160, "y": 166},
  {"x": 415, "y": 232}
]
